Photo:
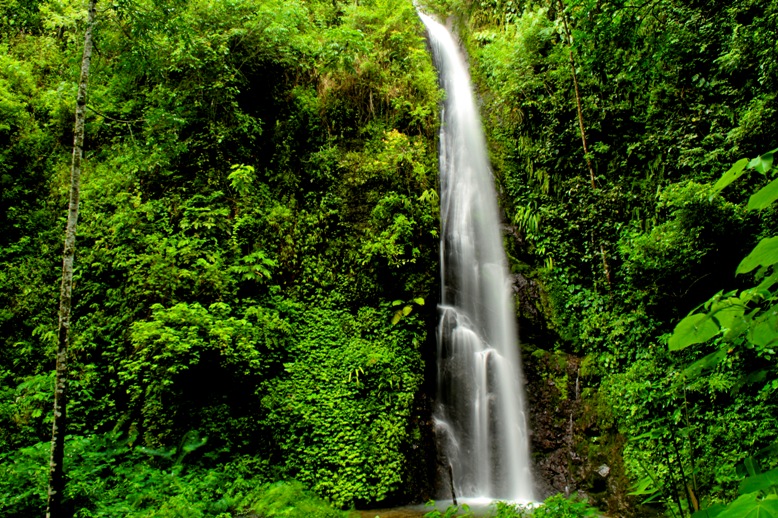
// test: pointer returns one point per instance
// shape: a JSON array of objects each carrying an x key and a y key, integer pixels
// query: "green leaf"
[
  {"x": 694, "y": 329},
  {"x": 725, "y": 313},
  {"x": 757, "y": 377},
  {"x": 704, "y": 363},
  {"x": 764, "y": 196},
  {"x": 407, "y": 310},
  {"x": 760, "y": 482},
  {"x": 644, "y": 486},
  {"x": 764, "y": 331},
  {"x": 710, "y": 512},
  {"x": 419, "y": 301},
  {"x": 764, "y": 254},
  {"x": 752, "y": 467},
  {"x": 750, "y": 506},
  {"x": 735, "y": 172},
  {"x": 762, "y": 163},
  {"x": 767, "y": 284}
]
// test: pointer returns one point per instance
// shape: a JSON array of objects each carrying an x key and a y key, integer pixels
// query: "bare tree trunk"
[
  {"x": 56, "y": 474},
  {"x": 451, "y": 483}
]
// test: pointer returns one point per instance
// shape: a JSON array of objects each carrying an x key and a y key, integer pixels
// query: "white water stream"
[{"x": 480, "y": 422}]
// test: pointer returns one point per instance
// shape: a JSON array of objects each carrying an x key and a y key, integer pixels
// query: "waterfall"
[{"x": 479, "y": 412}]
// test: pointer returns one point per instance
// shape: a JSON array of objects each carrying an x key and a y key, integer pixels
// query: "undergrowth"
[
  {"x": 557, "y": 506},
  {"x": 110, "y": 477}
]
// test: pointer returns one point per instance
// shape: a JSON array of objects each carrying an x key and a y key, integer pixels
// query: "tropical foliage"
[
  {"x": 255, "y": 197},
  {"x": 256, "y": 266},
  {"x": 609, "y": 124}
]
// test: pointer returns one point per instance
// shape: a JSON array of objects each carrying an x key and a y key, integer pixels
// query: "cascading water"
[{"x": 479, "y": 414}]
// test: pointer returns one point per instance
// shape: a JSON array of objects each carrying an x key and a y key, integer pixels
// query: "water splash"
[{"x": 479, "y": 414}]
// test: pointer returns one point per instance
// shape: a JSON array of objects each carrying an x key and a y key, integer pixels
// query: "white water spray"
[{"x": 481, "y": 426}]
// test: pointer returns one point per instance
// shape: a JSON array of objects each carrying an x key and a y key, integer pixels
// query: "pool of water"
[{"x": 397, "y": 512}]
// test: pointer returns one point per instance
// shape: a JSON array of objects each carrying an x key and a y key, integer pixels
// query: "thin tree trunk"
[
  {"x": 691, "y": 498},
  {"x": 674, "y": 488},
  {"x": 451, "y": 483},
  {"x": 691, "y": 446},
  {"x": 577, "y": 96},
  {"x": 56, "y": 473},
  {"x": 605, "y": 266}
]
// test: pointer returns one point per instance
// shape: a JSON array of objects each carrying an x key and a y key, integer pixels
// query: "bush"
[
  {"x": 290, "y": 500},
  {"x": 558, "y": 506}
]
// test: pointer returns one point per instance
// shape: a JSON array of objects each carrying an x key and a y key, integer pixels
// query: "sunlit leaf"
[
  {"x": 760, "y": 482},
  {"x": 763, "y": 163},
  {"x": 735, "y": 172},
  {"x": 655, "y": 496},
  {"x": 645, "y": 486},
  {"x": 768, "y": 282},
  {"x": 764, "y": 196},
  {"x": 727, "y": 312},
  {"x": 764, "y": 254},
  {"x": 750, "y": 506},
  {"x": 764, "y": 331},
  {"x": 656, "y": 433},
  {"x": 694, "y": 329}
]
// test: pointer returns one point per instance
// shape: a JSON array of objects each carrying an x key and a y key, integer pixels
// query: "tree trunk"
[
  {"x": 56, "y": 474},
  {"x": 605, "y": 266},
  {"x": 577, "y": 96}
]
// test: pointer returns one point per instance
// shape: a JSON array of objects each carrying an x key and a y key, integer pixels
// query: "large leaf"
[
  {"x": 764, "y": 254},
  {"x": 735, "y": 172},
  {"x": 752, "y": 466},
  {"x": 694, "y": 329},
  {"x": 710, "y": 512},
  {"x": 760, "y": 482},
  {"x": 704, "y": 363},
  {"x": 764, "y": 196},
  {"x": 727, "y": 312},
  {"x": 750, "y": 506},
  {"x": 763, "y": 163},
  {"x": 766, "y": 285},
  {"x": 764, "y": 331}
]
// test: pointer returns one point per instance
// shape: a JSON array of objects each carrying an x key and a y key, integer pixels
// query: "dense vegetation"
[
  {"x": 256, "y": 271},
  {"x": 626, "y": 238},
  {"x": 257, "y": 205}
]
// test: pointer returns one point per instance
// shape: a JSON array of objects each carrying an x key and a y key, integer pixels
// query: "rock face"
[
  {"x": 553, "y": 412},
  {"x": 576, "y": 448}
]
